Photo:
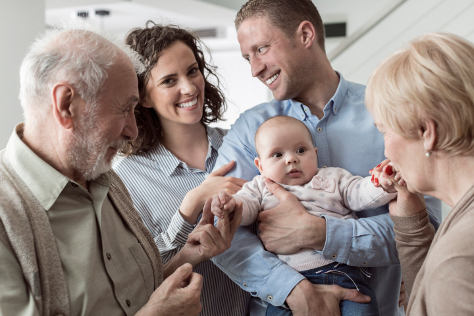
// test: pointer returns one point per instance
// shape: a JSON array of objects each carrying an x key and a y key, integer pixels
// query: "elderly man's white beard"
[{"x": 88, "y": 149}]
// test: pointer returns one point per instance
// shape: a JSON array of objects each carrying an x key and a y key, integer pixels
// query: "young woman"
[{"x": 168, "y": 167}]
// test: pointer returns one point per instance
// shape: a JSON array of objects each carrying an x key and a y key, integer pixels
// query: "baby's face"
[{"x": 286, "y": 154}]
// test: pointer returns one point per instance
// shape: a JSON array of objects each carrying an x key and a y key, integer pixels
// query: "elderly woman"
[
  {"x": 168, "y": 167},
  {"x": 422, "y": 99}
]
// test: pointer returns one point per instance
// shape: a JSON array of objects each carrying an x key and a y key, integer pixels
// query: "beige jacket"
[
  {"x": 25, "y": 230},
  {"x": 443, "y": 263}
]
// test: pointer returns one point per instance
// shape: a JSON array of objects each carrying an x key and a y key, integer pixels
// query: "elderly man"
[
  {"x": 283, "y": 41},
  {"x": 70, "y": 241}
]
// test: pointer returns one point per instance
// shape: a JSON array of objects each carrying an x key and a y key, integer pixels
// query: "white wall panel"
[
  {"x": 20, "y": 22},
  {"x": 413, "y": 18}
]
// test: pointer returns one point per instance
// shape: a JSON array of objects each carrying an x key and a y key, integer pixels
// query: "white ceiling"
[
  {"x": 201, "y": 14},
  {"x": 125, "y": 15}
]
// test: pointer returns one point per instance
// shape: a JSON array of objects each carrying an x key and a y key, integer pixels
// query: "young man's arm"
[{"x": 260, "y": 272}]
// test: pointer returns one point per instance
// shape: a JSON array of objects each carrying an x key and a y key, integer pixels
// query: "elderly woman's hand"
[{"x": 406, "y": 204}]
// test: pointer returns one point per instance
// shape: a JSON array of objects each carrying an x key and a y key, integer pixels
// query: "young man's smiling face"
[{"x": 275, "y": 59}]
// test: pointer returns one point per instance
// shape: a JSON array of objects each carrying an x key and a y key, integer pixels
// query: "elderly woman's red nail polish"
[
  {"x": 389, "y": 170},
  {"x": 372, "y": 178},
  {"x": 376, "y": 181},
  {"x": 379, "y": 165},
  {"x": 371, "y": 170}
]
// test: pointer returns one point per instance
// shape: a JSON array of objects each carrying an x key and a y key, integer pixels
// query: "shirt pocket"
[{"x": 145, "y": 267}]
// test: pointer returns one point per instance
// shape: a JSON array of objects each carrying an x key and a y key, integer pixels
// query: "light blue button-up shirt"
[{"x": 347, "y": 138}]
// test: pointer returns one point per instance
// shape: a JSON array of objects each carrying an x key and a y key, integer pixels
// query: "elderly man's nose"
[{"x": 130, "y": 130}]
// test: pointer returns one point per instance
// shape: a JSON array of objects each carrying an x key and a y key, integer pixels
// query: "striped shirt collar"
[{"x": 168, "y": 163}]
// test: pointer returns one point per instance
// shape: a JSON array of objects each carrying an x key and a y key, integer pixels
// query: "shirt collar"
[
  {"x": 334, "y": 105},
  {"x": 336, "y": 102},
  {"x": 168, "y": 163},
  {"x": 214, "y": 138},
  {"x": 45, "y": 182}
]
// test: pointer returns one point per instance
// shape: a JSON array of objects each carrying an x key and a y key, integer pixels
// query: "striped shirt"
[{"x": 157, "y": 182}]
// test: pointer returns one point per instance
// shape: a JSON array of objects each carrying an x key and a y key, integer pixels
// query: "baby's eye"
[
  {"x": 276, "y": 155},
  {"x": 300, "y": 150}
]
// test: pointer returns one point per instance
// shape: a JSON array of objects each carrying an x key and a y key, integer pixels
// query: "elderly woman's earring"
[{"x": 428, "y": 153}]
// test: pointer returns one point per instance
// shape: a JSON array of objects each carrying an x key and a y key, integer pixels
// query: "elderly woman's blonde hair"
[{"x": 433, "y": 77}]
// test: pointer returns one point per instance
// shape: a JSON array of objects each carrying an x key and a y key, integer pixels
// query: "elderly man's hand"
[
  {"x": 320, "y": 299},
  {"x": 288, "y": 227},
  {"x": 207, "y": 240},
  {"x": 179, "y": 294}
]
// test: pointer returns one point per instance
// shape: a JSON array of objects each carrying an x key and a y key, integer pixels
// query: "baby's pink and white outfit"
[{"x": 332, "y": 192}]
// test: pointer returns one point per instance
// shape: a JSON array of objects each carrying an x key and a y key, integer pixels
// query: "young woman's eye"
[
  {"x": 300, "y": 150},
  {"x": 167, "y": 81},
  {"x": 194, "y": 71},
  {"x": 276, "y": 155}
]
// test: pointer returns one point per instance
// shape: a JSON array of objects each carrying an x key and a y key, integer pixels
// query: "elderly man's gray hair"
[{"x": 77, "y": 54}]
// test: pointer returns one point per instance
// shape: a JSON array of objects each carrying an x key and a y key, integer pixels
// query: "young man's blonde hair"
[{"x": 433, "y": 77}]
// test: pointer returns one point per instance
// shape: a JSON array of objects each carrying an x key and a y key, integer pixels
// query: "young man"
[{"x": 283, "y": 40}]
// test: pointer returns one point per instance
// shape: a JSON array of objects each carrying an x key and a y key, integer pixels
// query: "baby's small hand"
[
  {"x": 385, "y": 176},
  {"x": 222, "y": 202}
]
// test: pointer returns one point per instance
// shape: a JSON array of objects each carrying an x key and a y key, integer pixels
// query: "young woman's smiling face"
[{"x": 176, "y": 87}]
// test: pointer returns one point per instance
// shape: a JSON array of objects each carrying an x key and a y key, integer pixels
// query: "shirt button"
[
  {"x": 365, "y": 263},
  {"x": 320, "y": 129},
  {"x": 245, "y": 284},
  {"x": 108, "y": 255},
  {"x": 325, "y": 166},
  {"x": 335, "y": 109},
  {"x": 269, "y": 297},
  {"x": 128, "y": 303},
  {"x": 334, "y": 256}
]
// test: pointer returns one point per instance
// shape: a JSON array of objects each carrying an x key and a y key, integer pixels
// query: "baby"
[{"x": 286, "y": 155}]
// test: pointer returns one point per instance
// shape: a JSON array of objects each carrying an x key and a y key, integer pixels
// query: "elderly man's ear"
[{"x": 67, "y": 104}]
